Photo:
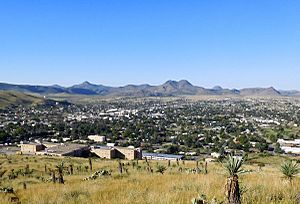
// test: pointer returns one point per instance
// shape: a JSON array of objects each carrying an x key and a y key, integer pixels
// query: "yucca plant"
[
  {"x": 290, "y": 169},
  {"x": 233, "y": 167},
  {"x": 120, "y": 167},
  {"x": 60, "y": 168},
  {"x": 90, "y": 164}
]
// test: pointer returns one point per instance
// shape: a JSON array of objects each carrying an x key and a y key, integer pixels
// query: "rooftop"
[
  {"x": 64, "y": 148},
  {"x": 146, "y": 154}
]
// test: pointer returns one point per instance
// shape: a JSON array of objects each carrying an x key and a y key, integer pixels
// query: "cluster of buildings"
[
  {"x": 78, "y": 150},
  {"x": 105, "y": 152}
]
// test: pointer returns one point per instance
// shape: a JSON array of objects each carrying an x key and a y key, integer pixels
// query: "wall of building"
[
  {"x": 105, "y": 153},
  {"x": 31, "y": 148},
  {"x": 128, "y": 153}
]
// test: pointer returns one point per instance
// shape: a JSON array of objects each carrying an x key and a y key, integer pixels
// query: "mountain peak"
[
  {"x": 171, "y": 82},
  {"x": 271, "y": 88},
  {"x": 86, "y": 83},
  {"x": 185, "y": 82},
  {"x": 217, "y": 88}
]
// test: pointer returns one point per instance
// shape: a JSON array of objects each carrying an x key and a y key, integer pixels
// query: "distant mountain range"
[{"x": 169, "y": 88}]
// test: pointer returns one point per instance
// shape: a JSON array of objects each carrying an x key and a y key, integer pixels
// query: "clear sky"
[{"x": 235, "y": 44}]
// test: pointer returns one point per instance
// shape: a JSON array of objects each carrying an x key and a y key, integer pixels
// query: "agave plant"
[
  {"x": 290, "y": 169},
  {"x": 233, "y": 167},
  {"x": 161, "y": 169}
]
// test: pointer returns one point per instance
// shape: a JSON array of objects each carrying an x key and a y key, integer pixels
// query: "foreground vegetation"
[{"x": 139, "y": 182}]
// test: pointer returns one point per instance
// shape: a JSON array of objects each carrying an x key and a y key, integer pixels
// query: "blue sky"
[{"x": 235, "y": 44}]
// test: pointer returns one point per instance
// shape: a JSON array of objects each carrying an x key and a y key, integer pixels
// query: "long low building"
[
  {"x": 157, "y": 156},
  {"x": 290, "y": 146},
  {"x": 67, "y": 149}
]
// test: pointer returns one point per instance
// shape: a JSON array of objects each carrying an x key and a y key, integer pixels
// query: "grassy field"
[{"x": 139, "y": 185}]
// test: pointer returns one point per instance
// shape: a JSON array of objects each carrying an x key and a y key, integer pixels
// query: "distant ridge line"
[{"x": 169, "y": 88}]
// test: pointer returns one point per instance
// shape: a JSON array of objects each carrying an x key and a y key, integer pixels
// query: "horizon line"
[{"x": 139, "y": 84}]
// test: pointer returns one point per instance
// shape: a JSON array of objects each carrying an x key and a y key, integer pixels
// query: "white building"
[
  {"x": 290, "y": 146},
  {"x": 97, "y": 138}
]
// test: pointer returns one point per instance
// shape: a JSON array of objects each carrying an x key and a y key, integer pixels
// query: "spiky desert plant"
[
  {"x": 71, "y": 169},
  {"x": 133, "y": 164},
  {"x": 26, "y": 170},
  {"x": 120, "y": 167},
  {"x": 53, "y": 178},
  {"x": 60, "y": 169},
  {"x": 161, "y": 169},
  {"x": 233, "y": 166},
  {"x": 205, "y": 168},
  {"x": 90, "y": 164},
  {"x": 290, "y": 169}
]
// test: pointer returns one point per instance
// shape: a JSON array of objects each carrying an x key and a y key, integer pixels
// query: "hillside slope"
[{"x": 11, "y": 98}]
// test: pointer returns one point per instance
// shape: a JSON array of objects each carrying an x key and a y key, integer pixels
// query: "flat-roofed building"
[
  {"x": 97, "y": 138},
  {"x": 128, "y": 153},
  {"x": 104, "y": 152},
  {"x": 31, "y": 148},
  {"x": 290, "y": 146},
  {"x": 117, "y": 152}
]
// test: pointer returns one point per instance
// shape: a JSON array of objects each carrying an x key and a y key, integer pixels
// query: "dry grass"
[{"x": 139, "y": 186}]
